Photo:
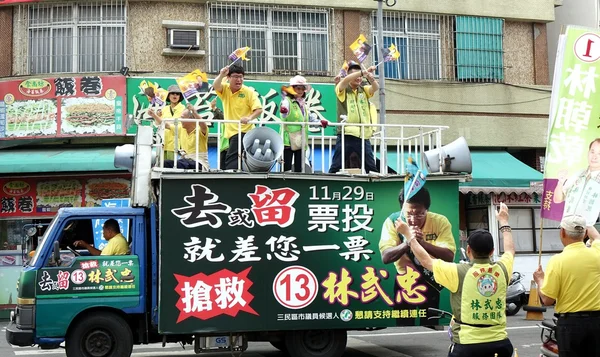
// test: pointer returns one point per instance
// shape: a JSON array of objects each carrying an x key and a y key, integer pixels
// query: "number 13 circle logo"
[{"x": 295, "y": 287}]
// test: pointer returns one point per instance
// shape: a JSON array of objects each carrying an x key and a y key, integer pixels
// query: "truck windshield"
[{"x": 42, "y": 245}]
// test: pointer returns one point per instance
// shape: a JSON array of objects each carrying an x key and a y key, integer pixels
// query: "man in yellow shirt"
[
  {"x": 433, "y": 230},
  {"x": 239, "y": 103},
  {"x": 572, "y": 281},
  {"x": 353, "y": 102},
  {"x": 478, "y": 290},
  {"x": 117, "y": 244}
]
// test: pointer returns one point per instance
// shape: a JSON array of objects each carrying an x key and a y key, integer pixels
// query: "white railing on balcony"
[{"x": 401, "y": 141}]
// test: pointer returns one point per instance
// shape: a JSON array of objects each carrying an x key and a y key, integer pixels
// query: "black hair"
[
  {"x": 236, "y": 68},
  {"x": 421, "y": 198},
  {"x": 481, "y": 243},
  {"x": 168, "y": 100},
  {"x": 113, "y": 225}
]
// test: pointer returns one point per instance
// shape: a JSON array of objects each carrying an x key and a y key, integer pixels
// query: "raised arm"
[
  {"x": 502, "y": 216},
  {"x": 217, "y": 83}
]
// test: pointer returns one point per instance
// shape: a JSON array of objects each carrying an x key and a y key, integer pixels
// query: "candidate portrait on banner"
[{"x": 572, "y": 161}]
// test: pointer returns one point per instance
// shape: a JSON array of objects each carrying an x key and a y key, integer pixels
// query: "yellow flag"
[
  {"x": 192, "y": 83},
  {"x": 240, "y": 53},
  {"x": 360, "y": 48}
]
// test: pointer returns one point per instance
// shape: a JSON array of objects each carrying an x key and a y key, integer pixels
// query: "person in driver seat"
[{"x": 117, "y": 244}]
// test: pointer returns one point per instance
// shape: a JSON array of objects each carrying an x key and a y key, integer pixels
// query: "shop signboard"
[
  {"x": 43, "y": 196},
  {"x": 66, "y": 106}
]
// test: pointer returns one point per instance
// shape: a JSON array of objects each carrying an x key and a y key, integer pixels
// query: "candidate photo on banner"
[{"x": 572, "y": 166}]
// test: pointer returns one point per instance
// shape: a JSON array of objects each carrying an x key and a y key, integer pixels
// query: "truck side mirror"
[{"x": 56, "y": 252}]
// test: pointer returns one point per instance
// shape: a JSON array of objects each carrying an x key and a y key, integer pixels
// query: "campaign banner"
[
  {"x": 572, "y": 164},
  {"x": 320, "y": 100},
  {"x": 91, "y": 276},
  {"x": 289, "y": 254}
]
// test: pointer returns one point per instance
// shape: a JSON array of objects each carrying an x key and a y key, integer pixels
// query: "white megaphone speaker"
[
  {"x": 455, "y": 157},
  {"x": 261, "y": 156}
]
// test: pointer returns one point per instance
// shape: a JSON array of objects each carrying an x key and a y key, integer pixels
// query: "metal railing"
[{"x": 405, "y": 140}]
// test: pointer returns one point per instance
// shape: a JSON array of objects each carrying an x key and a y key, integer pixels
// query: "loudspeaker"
[
  {"x": 124, "y": 155},
  {"x": 262, "y": 148},
  {"x": 456, "y": 157}
]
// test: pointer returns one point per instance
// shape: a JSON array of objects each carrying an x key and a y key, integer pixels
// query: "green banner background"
[
  {"x": 321, "y": 101},
  {"x": 234, "y": 192}
]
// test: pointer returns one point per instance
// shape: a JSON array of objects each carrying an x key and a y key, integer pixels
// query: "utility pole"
[{"x": 381, "y": 48}]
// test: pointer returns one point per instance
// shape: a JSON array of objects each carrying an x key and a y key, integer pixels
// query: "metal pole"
[{"x": 381, "y": 47}]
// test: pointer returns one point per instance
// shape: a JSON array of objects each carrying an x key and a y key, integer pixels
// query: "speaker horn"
[
  {"x": 455, "y": 157},
  {"x": 262, "y": 148}
]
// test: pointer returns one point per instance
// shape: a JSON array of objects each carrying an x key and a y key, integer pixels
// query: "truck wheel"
[
  {"x": 105, "y": 335},
  {"x": 316, "y": 343}
]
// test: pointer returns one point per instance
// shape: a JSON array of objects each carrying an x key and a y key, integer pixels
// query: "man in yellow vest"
[
  {"x": 478, "y": 290},
  {"x": 353, "y": 102},
  {"x": 572, "y": 281}
]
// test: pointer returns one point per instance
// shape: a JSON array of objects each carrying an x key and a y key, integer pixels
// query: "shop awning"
[
  {"x": 57, "y": 160},
  {"x": 499, "y": 171},
  {"x": 495, "y": 171}
]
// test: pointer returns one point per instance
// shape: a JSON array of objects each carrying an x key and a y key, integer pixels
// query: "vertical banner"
[{"x": 572, "y": 167}]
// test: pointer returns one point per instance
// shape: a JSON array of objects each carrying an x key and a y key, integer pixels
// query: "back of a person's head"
[
  {"x": 112, "y": 225},
  {"x": 481, "y": 243},
  {"x": 421, "y": 198},
  {"x": 236, "y": 69}
]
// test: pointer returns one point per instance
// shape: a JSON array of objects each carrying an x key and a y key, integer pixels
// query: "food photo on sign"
[{"x": 88, "y": 116}]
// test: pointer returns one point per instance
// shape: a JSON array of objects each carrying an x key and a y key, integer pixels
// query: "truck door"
[{"x": 79, "y": 280}]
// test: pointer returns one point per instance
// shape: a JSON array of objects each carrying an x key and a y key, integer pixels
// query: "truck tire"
[
  {"x": 316, "y": 343},
  {"x": 100, "y": 335}
]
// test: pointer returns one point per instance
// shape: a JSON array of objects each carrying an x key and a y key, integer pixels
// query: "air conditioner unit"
[{"x": 184, "y": 39}]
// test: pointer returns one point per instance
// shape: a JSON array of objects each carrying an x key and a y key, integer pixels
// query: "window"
[
  {"x": 86, "y": 37},
  {"x": 525, "y": 224},
  {"x": 432, "y": 47},
  {"x": 282, "y": 40},
  {"x": 417, "y": 38},
  {"x": 479, "y": 48}
]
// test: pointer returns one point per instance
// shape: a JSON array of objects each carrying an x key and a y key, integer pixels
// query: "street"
[{"x": 392, "y": 342}]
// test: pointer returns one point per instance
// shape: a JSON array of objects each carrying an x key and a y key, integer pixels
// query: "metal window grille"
[
  {"x": 76, "y": 37},
  {"x": 283, "y": 40},
  {"x": 441, "y": 47}
]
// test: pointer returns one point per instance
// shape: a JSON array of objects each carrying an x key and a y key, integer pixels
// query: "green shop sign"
[
  {"x": 285, "y": 254},
  {"x": 321, "y": 101},
  {"x": 91, "y": 276}
]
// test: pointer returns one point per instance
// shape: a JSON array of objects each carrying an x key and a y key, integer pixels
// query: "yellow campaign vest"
[{"x": 479, "y": 304}]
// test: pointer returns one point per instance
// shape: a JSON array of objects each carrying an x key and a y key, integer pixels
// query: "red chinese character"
[
  {"x": 63, "y": 280},
  {"x": 207, "y": 296},
  {"x": 93, "y": 264},
  {"x": 273, "y": 207}
]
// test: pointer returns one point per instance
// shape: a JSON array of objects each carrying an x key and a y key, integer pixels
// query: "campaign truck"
[{"x": 221, "y": 259}]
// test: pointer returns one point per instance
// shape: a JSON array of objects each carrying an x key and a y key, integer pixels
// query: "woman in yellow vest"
[
  {"x": 173, "y": 109},
  {"x": 293, "y": 109}
]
